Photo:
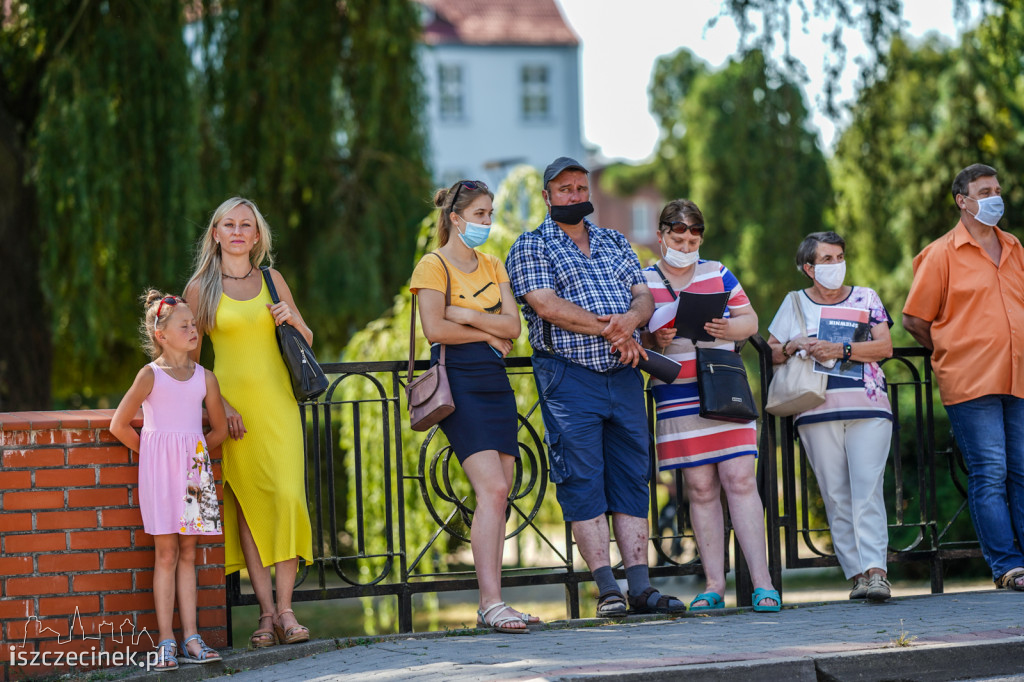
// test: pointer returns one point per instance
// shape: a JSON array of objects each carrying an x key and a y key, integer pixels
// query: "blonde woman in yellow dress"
[{"x": 266, "y": 521}]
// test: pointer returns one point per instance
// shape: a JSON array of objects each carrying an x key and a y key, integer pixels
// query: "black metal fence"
[{"x": 391, "y": 512}]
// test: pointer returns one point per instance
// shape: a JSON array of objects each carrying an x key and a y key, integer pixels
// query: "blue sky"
[{"x": 622, "y": 40}]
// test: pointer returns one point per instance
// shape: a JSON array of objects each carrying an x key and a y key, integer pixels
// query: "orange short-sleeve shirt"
[{"x": 977, "y": 313}]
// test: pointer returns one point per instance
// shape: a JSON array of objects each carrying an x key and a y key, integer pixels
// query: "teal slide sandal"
[
  {"x": 760, "y": 594},
  {"x": 714, "y": 600}
]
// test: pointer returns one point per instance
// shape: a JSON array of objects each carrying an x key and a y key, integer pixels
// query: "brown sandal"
[
  {"x": 263, "y": 637},
  {"x": 293, "y": 635},
  {"x": 1009, "y": 579}
]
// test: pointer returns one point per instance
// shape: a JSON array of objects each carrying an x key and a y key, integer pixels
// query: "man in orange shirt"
[{"x": 966, "y": 305}]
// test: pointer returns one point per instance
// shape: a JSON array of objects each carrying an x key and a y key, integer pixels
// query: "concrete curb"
[
  {"x": 924, "y": 663},
  {"x": 773, "y": 670},
  {"x": 933, "y": 662}
]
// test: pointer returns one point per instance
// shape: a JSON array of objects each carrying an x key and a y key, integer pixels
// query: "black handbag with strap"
[
  {"x": 308, "y": 378},
  {"x": 722, "y": 382},
  {"x": 723, "y": 386}
]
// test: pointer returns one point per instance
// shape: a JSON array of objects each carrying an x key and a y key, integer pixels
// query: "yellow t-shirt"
[{"x": 478, "y": 290}]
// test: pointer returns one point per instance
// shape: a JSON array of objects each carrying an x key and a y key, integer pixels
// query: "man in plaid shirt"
[{"x": 584, "y": 297}]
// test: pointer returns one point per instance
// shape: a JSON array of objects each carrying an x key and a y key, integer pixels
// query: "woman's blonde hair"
[
  {"x": 155, "y": 318},
  {"x": 456, "y": 198},
  {"x": 207, "y": 274}
]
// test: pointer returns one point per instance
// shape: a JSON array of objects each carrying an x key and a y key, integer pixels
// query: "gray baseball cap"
[{"x": 560, "y": 164}]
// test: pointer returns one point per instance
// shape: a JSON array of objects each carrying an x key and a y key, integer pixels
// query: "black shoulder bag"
[
  {"x": 308, "y": 379},
  {"x": 721, "y": 381}
]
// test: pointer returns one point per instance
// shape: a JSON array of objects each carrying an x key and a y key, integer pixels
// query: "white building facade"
[{"x": 502, "y": 85}]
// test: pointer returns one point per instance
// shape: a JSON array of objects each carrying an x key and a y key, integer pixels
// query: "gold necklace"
[{"x": 251, "y": 268}]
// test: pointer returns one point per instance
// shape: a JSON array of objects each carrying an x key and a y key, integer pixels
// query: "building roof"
[{"x": 496, "y": 22}]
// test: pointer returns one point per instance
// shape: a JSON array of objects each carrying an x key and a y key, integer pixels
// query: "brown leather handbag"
[{"x": 429, "y": 395}]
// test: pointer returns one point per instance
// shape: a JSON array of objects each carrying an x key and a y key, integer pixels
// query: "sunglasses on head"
[
  {"x": 468, "y": 184},
  {"x": 679, "y": 227},
  {"x": 169, "y": 300}
]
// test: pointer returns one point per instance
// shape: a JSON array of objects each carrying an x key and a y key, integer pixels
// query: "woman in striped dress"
[{"x": 713, "y": 455}]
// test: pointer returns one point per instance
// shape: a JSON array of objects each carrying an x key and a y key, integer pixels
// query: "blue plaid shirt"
[{"x": 547, "y": 258}]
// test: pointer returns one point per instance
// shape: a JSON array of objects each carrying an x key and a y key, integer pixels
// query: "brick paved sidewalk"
[{"x": 934, "y": 637}]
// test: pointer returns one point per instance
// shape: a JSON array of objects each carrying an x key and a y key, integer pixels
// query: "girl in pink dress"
[{"x": 177, "y": 492}]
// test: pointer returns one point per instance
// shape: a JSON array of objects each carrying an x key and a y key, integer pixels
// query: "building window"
[
  {"x": 643, "y": 225},
  {"x": 536, "y": 93},
  {"x": 449, "y": 80}
]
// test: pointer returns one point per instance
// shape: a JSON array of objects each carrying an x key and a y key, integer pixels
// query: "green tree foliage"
[
  {"x": 736, "y": 142},
  {"x": 768, "y": 25},
  {"x": 384, "y": 182},
  {"x": 30, "y": 36},
  {"x": 314, "y": 114},
  {"x": 115, "y": 168},
  {"x": 893, "y": 167},
  {"x": 937, "y": 110},
  {"x": 124, "y": 124}
]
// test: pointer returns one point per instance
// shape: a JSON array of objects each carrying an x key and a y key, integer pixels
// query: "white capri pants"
[{"x": 848, "y": 459}]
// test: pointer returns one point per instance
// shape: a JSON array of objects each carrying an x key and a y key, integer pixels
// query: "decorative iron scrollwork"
[{"x": 529, "y": 483}]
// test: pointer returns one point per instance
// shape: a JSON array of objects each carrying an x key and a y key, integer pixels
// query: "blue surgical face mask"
[
  {"x": 474, "y": 235},
  {"x": 990, "y": 210}
]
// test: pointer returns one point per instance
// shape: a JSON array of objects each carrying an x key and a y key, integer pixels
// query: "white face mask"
[
  {"x": 679, "y": 259},
  {"x": 830, "y": 275}
]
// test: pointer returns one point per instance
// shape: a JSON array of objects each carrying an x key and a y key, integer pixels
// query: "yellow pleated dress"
[{"x": 264, "y": 470}]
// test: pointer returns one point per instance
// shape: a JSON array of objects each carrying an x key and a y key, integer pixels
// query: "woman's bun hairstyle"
[{"x": 441, "y": 197}]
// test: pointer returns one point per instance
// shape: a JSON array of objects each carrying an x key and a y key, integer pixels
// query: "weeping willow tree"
[
  {"x": 313, "y": 113},
  {"x": 28, "y": 41},
  {"x": 97, "y": 159},
  {"x": 123, "y": 124},
  {"x": 115, "y": 168}
]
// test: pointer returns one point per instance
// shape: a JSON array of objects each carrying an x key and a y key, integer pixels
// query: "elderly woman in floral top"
[{"x": 847, "y": 437}]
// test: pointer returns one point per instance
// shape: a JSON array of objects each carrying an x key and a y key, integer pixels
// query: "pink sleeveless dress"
[{"x": 177, "y": 492}]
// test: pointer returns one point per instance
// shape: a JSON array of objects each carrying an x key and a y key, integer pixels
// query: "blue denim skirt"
[{"x": 485, "y": 415}]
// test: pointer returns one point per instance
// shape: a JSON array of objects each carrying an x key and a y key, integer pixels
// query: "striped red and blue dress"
[{"x": 684, "y": 438}]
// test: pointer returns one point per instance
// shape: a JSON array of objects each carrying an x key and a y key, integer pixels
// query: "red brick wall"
[{"x": 71, "y": 539}]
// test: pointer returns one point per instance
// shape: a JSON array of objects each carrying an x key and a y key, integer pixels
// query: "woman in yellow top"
[
  {"x": 477, "y": 329},
  {"x": 266, "y": 521}
]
